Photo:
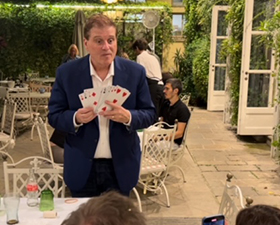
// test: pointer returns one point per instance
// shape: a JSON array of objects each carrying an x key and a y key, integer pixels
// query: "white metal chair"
[
  {"x": 156, "y": 150},
  {"x": 39, "y": 104},
  {"x": 47, "y": 149},
  {"x": 7, "y": 137},
  {"x": 47, "y": 175},
  {"x": 25, "y": 117},
  {"x": 186, "y": 98},
  {"x": 232, "y": 201},
  {"x": 178, "y": 152}
]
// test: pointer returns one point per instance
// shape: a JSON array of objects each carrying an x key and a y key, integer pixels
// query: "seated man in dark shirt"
[{"x": 173, "y": 108}]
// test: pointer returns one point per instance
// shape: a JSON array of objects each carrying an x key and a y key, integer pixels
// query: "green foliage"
[
  {"x": 201, "y": 67},
  {"x": 36, "y": 39},
  {"x": 233, "y": 49},
  {"x": 272, "y": 26}
]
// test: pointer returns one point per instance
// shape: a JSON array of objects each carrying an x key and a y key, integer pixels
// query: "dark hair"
[
  {"x": 98, "y": 21},
  {"x": 111, "y": 208},
  {"x": 141, "y": 44},
  {"x": 175, "y": 83},
  {"x": 166, "y": 76},
  {"x": 258, "y": 215}
]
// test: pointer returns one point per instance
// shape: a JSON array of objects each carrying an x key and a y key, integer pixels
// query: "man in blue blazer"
[{"x": 101, "y": 151}]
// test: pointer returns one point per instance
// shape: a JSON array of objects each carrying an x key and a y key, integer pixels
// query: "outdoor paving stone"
[
  {"x": 234, "y": 168},
  {"x": 239, "y": 162},
  {"x": 207, "y": 168},
  {"x": 244, "y": 175},
  {"x": 267, "y": 174},
  {"x": 210, "y": 163},
  {"x": 268, "y": 167}
]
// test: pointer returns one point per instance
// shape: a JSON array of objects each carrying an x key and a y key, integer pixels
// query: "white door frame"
[
  {"x": 254, "y": 120},
  {"x": 215, "y": 101}
]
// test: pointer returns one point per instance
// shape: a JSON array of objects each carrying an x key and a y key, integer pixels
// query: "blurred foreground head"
[
  {"x": 111, "y": 208},
  {"x": 258, "y": 215}
]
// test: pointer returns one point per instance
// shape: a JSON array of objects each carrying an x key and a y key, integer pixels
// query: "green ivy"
[
  {"x": 233, "y": 49},
  {"x": 272, "y": 26},
  {"x": 36, "y": 39}
]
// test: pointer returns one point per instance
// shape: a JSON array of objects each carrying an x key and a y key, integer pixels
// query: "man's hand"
[
  {"x": 85, "y": 115},
  {"x": 117, "y": 114}
]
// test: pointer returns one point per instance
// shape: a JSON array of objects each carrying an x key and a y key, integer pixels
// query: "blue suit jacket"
[{"x": 79, "y": 148}]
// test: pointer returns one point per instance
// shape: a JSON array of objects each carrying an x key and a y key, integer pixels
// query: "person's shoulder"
[
  {"x": 73, "y": 65},
  {"x": 127, "y": 64}
]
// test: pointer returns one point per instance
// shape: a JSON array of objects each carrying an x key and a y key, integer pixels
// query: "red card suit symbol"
[
  {"x": 124, "y": 94},
  {"x": 82, "y": 98},
  {"x": 118, "y": 91},
  {"x": 93, "y": 94},
  {"x": 104, "y": 108},
  {"x": 115, "y": 101},
  {"x": 95, "y": 103}
]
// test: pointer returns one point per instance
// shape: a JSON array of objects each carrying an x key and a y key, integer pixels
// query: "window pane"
[
  {"x": 263, "y": 10},
  {"x": 178, "y": 24},
  {"x": 222, "y": 24},
  {"x": 260, "y": 58},
  {"x": 220, "y": 75},
  {"x": 219, "y": 59},
  {"x": 258, "y": 90},
  {"x": 177, "y": 2}
]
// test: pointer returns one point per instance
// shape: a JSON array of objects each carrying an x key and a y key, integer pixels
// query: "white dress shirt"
[{"x": 151, "y": 65}]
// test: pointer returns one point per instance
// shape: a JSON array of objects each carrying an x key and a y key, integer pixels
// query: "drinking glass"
[
  {"x": 11, "y": 203},
  {"x": 46, "y": 201}
]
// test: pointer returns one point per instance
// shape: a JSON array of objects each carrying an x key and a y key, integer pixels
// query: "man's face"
[
  {"x": 102, "y": 46},
  {"x": 169, "y": 93}
]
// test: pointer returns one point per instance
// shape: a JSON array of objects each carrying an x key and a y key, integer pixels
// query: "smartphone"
[{"x": 214, "y": 220}]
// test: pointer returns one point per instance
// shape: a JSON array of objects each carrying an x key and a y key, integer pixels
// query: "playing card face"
[
  {"x": 115, "y": 94},
  {"x": 93, "y": 96},
  {"x": 96, "y": 97},
  {"x": 82, "y": 99},
  {"x": 103, "y": 96}
]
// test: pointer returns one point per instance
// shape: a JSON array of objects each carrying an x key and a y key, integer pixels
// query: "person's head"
[
  {"x": 139, "y": 45},
  {"x": 172, "y": 88},
  {"x": 166, "y": 76},
  {"x": 111, "y": 208},
  {"x": 258, "y": 215},
  {"x": 100, "y": 40},
  {"x": 73, "y": 50}
]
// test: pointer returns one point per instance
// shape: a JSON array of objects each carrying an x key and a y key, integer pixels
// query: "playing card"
[
  {"x": 101, "y": 104},
  {"x": 82, "y": 99},
  {"x": 93, "y": 96},
  {"x": 115, "y": 94}
]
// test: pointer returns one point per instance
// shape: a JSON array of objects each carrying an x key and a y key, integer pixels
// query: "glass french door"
[
  {"x": 257, "y": 85},
  {"x": 217, "y": 67}
]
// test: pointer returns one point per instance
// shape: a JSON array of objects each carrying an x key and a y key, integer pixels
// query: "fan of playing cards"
[{"x": 96, "y": 97}]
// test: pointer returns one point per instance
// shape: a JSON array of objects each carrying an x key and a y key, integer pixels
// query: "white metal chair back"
[
  {"x": 22, "y": 99},
  {"x": 47, "y": 176},
  {"x": 156, "y": 149},
  {"x": 45, "y": 143},
  {"x": 232, "y": 201},
  {"x": 186, "y": 99},
  {"x": 8, "y": 118},
  {"x": 25, "y": 117},
  {"x": 178, "y": 152},
  {"x": 7, "y": 137}
]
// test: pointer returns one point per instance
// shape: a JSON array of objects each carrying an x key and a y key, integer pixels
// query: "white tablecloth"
[{"x": 33, "y": 216}]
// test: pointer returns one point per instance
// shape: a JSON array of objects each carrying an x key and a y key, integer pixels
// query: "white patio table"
[
  {"x": 33, "y": 216},
  {"x": 44, "y": 79}
]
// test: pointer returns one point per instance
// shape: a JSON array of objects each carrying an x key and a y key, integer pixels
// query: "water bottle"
[{"x": 32, "y": 190}]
